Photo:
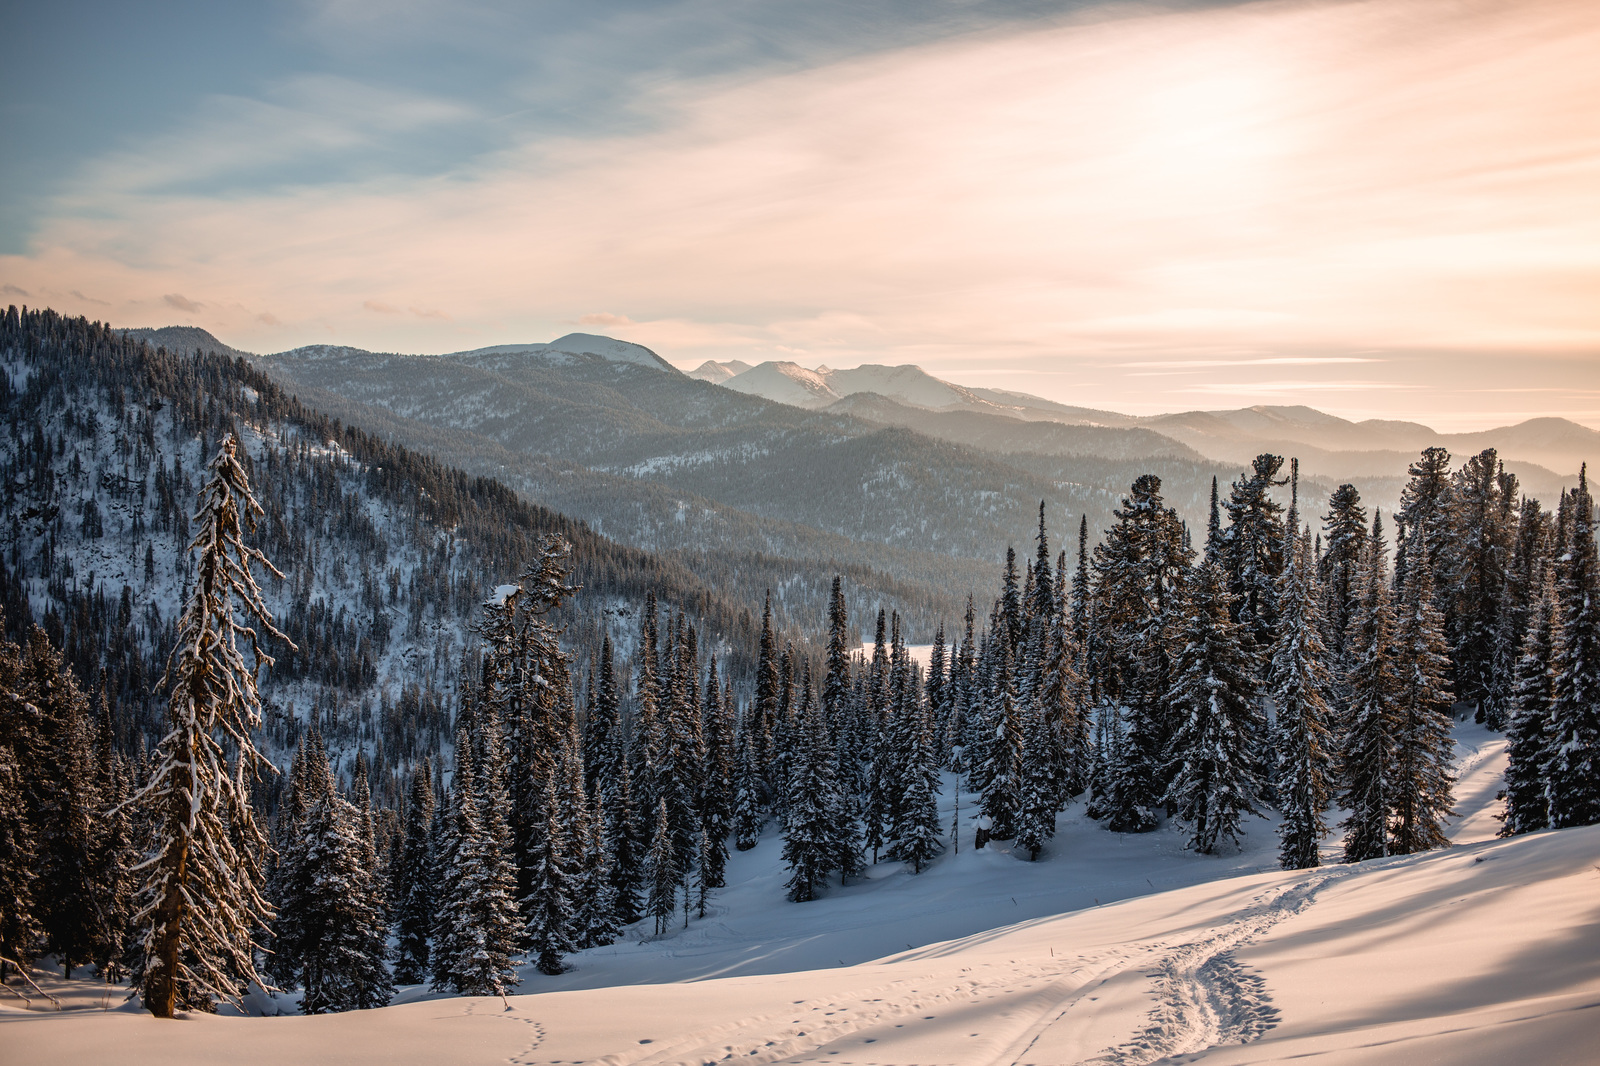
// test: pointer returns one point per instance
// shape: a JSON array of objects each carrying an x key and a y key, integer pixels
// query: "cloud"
[
  {"x": 12, "y": 290},
  {"x": 1198, "y": 364},
  {"x": 267, "y": 318},
  {"x": 181, "y": 302},
  {"x": 604, "y": 318},
  {"x": 88, "y": 299},
  {"x": 1227, "y": 188}
]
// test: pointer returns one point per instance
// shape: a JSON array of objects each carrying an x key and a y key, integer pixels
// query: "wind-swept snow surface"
[{"x": 1486, "y": 952}]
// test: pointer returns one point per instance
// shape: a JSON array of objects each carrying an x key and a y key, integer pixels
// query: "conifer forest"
[{"x": 287, "y": 706}]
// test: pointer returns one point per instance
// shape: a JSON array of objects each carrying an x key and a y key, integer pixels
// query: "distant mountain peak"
[{"x": 608, "y": 348}]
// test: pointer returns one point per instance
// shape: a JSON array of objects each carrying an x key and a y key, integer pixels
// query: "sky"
[{"x": 1380, "y": 208}]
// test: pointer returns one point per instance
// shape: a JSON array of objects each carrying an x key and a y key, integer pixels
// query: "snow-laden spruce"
[{"x": 201, "y": 905}]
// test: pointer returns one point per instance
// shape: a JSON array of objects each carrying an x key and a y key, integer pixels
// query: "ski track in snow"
[{"x": 1205, "y": 998}]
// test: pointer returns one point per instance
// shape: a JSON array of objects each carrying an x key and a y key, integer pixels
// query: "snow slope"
[{"x": 1485, "y": 952}]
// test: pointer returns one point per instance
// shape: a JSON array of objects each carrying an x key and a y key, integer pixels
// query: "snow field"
[{"x": 1488, "y": 951}]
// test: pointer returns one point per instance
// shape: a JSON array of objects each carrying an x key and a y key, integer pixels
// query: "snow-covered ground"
[{"x": 1111, "y": 949}]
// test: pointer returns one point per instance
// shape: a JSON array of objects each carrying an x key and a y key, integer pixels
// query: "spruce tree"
[
  {"x": 1528, "y": 733},
  {"x": 1344, "y": 547},
  {"x": 1301, "y": 684},
  {"x": 476, "y": 926},
  {"x": 1481, "y": 533},
  {"x": 19, "y": 923},
  {"x": 809, "y": 850},
  {"x": 1367, "y": 749},
  {"x": 1573, "y": 772},
  {"x": 1420, "y": 787},
  {"x": 661, "y": 871},
  {"x": 1215, "y": 783},
  {"x": 1141, "y": 570},
  {"x": 1036, "y": 803},
  {"x": 549, "y": 907},
  {"x": 414, "y": 895},
  {"x": 748, "y": 817},
  {"x": 1252, "y": 547},
  {"x": 200, "y": 902},
  {"x": 626, "y": 843}
]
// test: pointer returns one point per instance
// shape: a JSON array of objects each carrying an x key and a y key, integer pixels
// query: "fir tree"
[
  {"x": 1344, "y": 547},
  {"x": 414, "y": 888},
  {"x": 1001, "y": 781},
  {"x": 476, "y": 926},
  {"x": 626, "y": 842},
  {"x": 1573, "y": 771},
  {"x": 1481, "y": 533},
  {"x": 748, "y": 818},
  {"x": 1301, "y": 684},
  {"x": 200, "y": 901},
  {"x": 1420, "y": 787},
  {"x": 1252, "y": 548},
  {"x": 1528, "y": 748},
  {"x": 1215, "y": 784},
  {"x": 549, "y": 908},
  {"x": 809, "y": 850},
  {"x": 1036, "y": 803},
  {"x": 661, "y": 871},
  {"x": 1368, "y": 747},
  {"x": 19, "y": 923}
]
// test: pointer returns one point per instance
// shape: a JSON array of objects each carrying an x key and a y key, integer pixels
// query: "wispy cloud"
[
  {"x": 1213, "y": 190},
  {"x": 180, "y": 302}
]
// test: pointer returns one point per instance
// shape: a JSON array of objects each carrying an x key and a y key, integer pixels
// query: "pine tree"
[
  {"x": 661, "y": 871},
  {"x": 1523, "y": 586},
  {"x": 329, "y": 934},
  {"x": 626, "y": 842},
  {"x": 1216, "y": 783},
  {"x": 716, "y": 789},
  {"x": 809, "y": 850},
  {"x": 1141, "y": 571},
  {"x": 1420, "y": 788},
  {"x": 1001, "y": 781},
  {"x": 1036, "y": 802},
  {"x": 19, "y": 923},
  {"x": 748, "y": 818},
  {"x": 1344, "y": 546},
  {"x": 1252, "y": 548},
  {"x": 1481, "y": 529},
  {"x": 549, "y": 908},
  {"x": 200, "y": 902},
  {"x": 1426, "y": 504},
  {"x": 1368, "y": 746},
  {"x": 1573, "y": 772},
  {"x": 476, "y": 926},
  {"x": 1301, "y": 684},
  {"x": 414, "y": 895},
  {"x": 1528, "y": 733}
]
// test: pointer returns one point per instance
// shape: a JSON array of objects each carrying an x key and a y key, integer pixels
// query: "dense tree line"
[{"x": 568, "y": 789}]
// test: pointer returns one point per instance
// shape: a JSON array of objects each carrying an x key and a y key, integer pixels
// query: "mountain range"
[{"x": 910, "y": 484}]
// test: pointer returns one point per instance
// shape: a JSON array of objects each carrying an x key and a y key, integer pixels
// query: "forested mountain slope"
[{"x": 387, "y": 553}]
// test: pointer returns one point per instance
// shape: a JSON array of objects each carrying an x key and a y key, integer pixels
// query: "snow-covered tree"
[
  {"x": 1301, "y": 684},
  {"x": 1573, "y": 771},
  {"x": 201, "y": 905},
  {"x": 1367, "y": 746},
  {"x": 1528, "y": 750},
  {"x": 1424, "y": 751},
  {"x": 414, "y": 887},
  {"x": 1214, "y": 747}
]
